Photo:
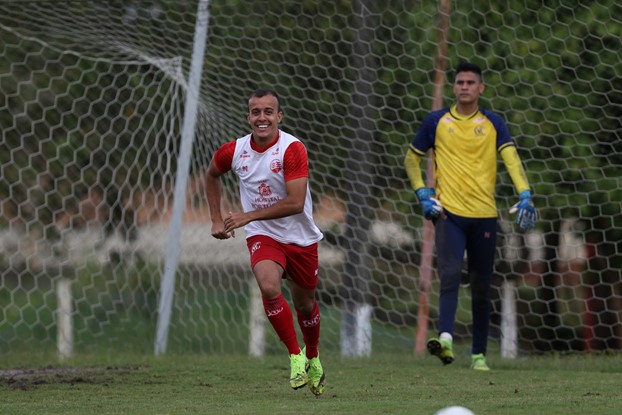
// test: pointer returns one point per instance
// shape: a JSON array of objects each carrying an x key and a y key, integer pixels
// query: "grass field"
[{"x": 388, "y": 384}]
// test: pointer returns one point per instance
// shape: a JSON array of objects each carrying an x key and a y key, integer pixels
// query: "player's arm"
[
  {"x": 213, "y": 189},
  {"x": 412, "y": 164},
  {"x": 515, "y": 168},
  {"x": 525, "y": 209},
  {"x": 292, "y": 204},
  {"x": 423, "y": 141},
  {"x": 219, "y": 165}
]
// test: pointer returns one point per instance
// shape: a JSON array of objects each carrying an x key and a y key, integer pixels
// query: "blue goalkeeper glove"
[
  {"x": 432, "y": 208},
  {"x": 526, "y": 217}
]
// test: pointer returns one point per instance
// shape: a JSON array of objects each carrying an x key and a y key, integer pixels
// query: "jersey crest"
[{"x": 264, "y": 190}]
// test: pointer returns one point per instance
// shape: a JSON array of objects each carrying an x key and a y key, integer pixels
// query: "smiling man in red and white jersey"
[{"x": 277, "y": 216}]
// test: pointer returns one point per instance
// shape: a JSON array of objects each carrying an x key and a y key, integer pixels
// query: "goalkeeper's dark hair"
[
  {"x": 469, "y": 67},
  {"x": 258, "y": 93}
]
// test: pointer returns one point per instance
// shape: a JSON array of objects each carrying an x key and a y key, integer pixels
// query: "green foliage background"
[
  {"x": 553, "y": 71},
  {"x": 355, "y": 78}
]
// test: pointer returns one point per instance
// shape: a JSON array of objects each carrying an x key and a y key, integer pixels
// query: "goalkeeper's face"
[
  {"x": 468, "y": 87},
  {"x": 264, "y": 118}
]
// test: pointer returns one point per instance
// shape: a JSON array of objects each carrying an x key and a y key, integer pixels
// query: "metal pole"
[{"x": 183, "y": 168}]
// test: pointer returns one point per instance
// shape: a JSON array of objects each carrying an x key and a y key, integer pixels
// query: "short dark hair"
[
  {"x": 469, "y": 67},
  {"x": 258, "y": 93}
]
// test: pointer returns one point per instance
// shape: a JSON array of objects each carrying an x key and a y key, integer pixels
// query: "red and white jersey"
[{"x": 263, "y": 174}]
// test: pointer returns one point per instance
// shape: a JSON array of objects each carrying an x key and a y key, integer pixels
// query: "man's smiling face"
[{"x": 264, "y": 118}]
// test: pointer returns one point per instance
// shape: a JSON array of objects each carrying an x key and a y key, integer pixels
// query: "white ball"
[{"x": 454, "y": 410}]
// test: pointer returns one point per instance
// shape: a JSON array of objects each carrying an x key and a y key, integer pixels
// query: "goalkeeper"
[{"x": 466, "y": 141}]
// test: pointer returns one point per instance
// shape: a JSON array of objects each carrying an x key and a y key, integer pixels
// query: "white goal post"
[
  {"x": 104, "y": 225},
  {"x": 183, "y": 170}
]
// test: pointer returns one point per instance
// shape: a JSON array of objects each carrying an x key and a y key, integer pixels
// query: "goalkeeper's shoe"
[
  {"x": 317, "y": 378},
  {"x": 441, "y": 348},
  {"x": 298, "y": 375},
  {"x": 478, "y": 362}
]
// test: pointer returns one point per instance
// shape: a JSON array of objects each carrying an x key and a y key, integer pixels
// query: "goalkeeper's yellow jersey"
[{"x": 465, "y": 158}]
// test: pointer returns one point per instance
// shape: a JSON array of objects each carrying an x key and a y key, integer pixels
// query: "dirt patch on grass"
[{"x": 29, "y": 379}]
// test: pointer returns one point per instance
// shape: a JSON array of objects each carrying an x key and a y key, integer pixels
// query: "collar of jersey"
[
  {"x": 256, "y": 148},
  {"x": 454, "y": 113}
]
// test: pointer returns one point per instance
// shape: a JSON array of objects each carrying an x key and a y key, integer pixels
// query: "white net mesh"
[{"x": 91, "y": 109}]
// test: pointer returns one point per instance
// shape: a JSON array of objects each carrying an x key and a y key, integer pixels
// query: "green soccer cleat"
[
  {"x": 317, "y": 378},
  {"x": 441, "y": 348},
  {"x": 478, "y": 362},
  {"x": 298, "y": 375}
]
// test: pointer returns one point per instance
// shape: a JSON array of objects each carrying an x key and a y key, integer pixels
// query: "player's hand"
[
  {"x": 432, "y": 207},
  {"x": 526, "y": 217},
  {"x": 235, "y": 220},
  {"x": 219, "y": 231}
]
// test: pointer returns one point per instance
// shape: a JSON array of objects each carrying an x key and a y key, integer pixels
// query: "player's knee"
[
  {"x": 480, "y": 294},
  {"x": 450, "y": 283},
  {"x": 304, "y": 305},
  {"x": 269, "y": 290}
]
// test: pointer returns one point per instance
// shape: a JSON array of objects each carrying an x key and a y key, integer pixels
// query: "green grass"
[{"x": 388, "y": 384}]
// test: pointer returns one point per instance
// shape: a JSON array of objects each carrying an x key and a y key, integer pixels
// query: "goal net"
[{"x": 92, "y": 106}]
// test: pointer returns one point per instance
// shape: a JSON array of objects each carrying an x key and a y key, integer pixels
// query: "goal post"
[
  {"x": 103, "y": 184},
  {"x": 64, "y": 336},
  {"x": 181, "y": 183},
  {"x": 509, "y": 325}
]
